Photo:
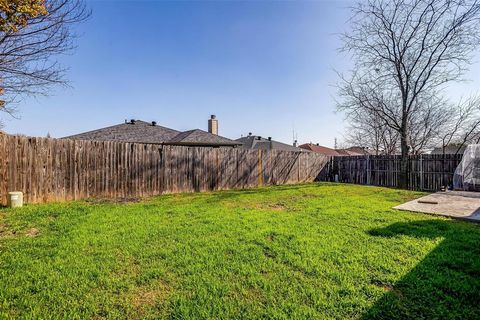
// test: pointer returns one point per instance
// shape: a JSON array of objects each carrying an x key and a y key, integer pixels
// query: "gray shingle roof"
[
  {"x": 259, "y": 143},
  {"x": 146, "y": 132},
  {"x": 140, "y": 131},
  {"x": 450, "y": 149},
  {"x": 200, "y": 137}
]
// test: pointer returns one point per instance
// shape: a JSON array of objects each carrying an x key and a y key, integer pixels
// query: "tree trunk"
[{"x": 403, "y": 174}]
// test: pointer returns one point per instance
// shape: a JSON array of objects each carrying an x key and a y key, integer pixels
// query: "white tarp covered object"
[{"x": 467, "y": 174}]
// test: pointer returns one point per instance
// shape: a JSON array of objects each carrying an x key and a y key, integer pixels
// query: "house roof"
[
  {"x": 356, "y": 151},
  {"x": 320, "y": 149},
  {"x": 137, "y": 131},
  {"x": 259, "y": 143},
  {"x": 352, "y": 151},
  {"x": 197, "y": 136},
  {"x": 147, "y": 132},
  {"x": 449, "y": 149}
]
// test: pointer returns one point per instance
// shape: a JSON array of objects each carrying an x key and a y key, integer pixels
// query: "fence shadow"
[{"x": 446, "y": 284}]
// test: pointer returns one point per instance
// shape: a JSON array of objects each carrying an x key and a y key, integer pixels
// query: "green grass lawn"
[{"x": 314, "y": 251}]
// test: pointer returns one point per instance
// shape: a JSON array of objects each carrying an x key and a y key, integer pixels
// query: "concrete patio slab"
[{"x": 455, "y": 204}]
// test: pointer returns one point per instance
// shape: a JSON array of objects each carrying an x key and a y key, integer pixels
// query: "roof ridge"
[
  {"x": 184, "y": 134},
  {"x": 156, "y": 125},
  {"x": 90, "y": 131},
  {"x": 118, "y": 125},
  {"x": 145, "y": 132}
]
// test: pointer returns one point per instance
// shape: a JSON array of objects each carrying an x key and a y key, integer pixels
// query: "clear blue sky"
[{"x": 261, "y": 67}]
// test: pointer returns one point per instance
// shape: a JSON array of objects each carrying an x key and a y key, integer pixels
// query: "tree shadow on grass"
[{"x": 445, "y": 285}]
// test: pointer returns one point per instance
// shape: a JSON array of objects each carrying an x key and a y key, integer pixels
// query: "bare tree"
[
  {"x": 431, "y": 115},
  {"x": 29, "y": 46},
  {"x": 403, "y": 52},
  {"x": 369, "y": 131},
  {"x": 462, "y": 125},
  {"x": 436, "y": 123}
]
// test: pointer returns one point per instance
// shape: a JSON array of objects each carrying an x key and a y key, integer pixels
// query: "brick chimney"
[{"x": 213, "y": 125}]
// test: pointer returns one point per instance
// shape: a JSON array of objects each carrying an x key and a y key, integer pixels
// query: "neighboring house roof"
[
  {"x": 149, "y": 132},
  {"x": 352, "y": 151},
  {"x": 258, "y": 143},
  {"x": 134, "y": 131},
  {"x": 356, "y": 151},
  {"x": 450, "y": 149},
  {"x": 200, "y": 137},
  {"x": 320, "y": 149}
]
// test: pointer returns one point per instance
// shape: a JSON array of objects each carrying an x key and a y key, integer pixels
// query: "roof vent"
[
  {"x": 318, "y": 144},
  {"x": 132, "y": 121},
  {"x": 154, "y": 123},
  {"x": 269, "y": 138},
  {"x": 259, "y": 138},
  {"x": 249, "y": 134}
]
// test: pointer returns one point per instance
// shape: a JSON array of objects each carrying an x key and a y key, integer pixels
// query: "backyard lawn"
[{"x": 313, "y": 251}]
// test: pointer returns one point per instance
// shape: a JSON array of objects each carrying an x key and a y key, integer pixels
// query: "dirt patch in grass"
[
  {"x": 145, "y": 298},
  {"x": 270, "y": 237},
  {"x": 112, "y": 201},
  {"x": 387, "y": 288},
  {"x": 3, "y": 230},
  {"x": 148, "y": 296},
  {"x": 270, "y": 206},
  {"x": 269, "y": 253},
  {"x": 248, "y": 295},
  {"x": 128, "y": 266},
  {"x": 6, "y": 232},
  {"x": 279, "y": 206},
  {"x": 32, "y": 232}
]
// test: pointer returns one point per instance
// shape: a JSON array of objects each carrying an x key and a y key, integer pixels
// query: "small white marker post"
[{"x": 15, "y": 199}]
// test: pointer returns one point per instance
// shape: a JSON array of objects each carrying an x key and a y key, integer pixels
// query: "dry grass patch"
[
  {"x": 32, "y": 232},
  {"x": 145, "y": 296}
]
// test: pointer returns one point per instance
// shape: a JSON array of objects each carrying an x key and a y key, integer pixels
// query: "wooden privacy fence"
[
  {"x": 426, "y": 172},
  {"x": 59, "y": 169}
]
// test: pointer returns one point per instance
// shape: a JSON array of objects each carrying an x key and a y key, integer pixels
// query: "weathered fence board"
[
  {"x": 58, "y": 169},
  {"x": 426, "y": 172}
]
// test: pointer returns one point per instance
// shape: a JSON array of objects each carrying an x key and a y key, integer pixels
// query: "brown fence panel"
[
  {"x": 426, "y": 172},
  {"x": 58, "y": 169}
]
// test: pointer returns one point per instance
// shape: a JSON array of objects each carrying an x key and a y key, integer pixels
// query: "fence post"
[
  {"x": 368, "y": 169},
  {"x": 260, "y": 169},
  {"x": 421, "y": 173}
]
